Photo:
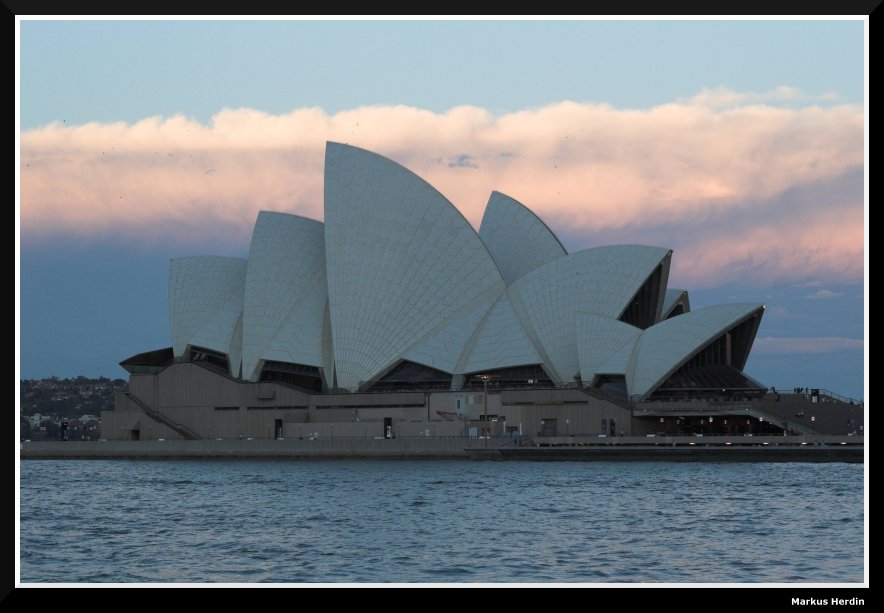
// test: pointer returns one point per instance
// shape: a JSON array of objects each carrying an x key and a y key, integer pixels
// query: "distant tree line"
[{"x": 69, "y": 397}]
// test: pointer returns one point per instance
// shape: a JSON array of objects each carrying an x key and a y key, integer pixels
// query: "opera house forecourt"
[{"x": 395, "y": 320}]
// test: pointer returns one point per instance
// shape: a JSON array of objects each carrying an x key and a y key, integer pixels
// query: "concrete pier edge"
[{"x": 447, "y": 448}]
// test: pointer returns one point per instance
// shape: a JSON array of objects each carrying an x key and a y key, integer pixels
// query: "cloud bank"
[
  {"x": 824, "y": 294},
  {"x": 740, "y": 189},
  {"x": 772, "y": 345}
]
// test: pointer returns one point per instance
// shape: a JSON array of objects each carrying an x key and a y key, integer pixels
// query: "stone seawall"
[{"x": 428, "y": 448}]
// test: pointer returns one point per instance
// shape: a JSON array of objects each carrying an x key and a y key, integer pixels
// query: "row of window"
[{"x": 267, "y": 408}]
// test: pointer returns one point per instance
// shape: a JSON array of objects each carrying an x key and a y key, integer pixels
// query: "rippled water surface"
[{"x": 380, "y": 521}]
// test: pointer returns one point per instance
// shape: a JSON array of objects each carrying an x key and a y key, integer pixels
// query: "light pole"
[{"x": 485, "y": 379}]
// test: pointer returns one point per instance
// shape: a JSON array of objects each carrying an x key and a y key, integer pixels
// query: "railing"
[
  {"x": 822, "y": 393},
  {"x": 669, "y": 440},
  {"x": 446, "y": 387},
  {"x": 729, "y": 396},
  {"x": 181, "y": 429}
]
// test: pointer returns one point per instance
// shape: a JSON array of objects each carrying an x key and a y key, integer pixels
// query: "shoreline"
[{"x": 439, "y": 449}]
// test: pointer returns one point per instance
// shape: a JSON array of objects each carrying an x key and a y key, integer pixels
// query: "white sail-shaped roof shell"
[
  {"x": 400, "y": 260},
  {"x": 206, "y": 303},
  {"x": 672, "y": 299},
  {"x": 443, "y": 348},
  {"x": 517, "y": 239},
  {"x": 285, "y": 293},
  {"x": 500, "y": 342},
  {"x": 600, "y": 281},
  {"x": 664, "y": 347},
  {"x": 618, "y": 363},
  {"x": 600, "y": 339}
]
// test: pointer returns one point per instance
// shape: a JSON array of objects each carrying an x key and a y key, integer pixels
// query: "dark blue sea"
[{"x": 439, "y": 521}]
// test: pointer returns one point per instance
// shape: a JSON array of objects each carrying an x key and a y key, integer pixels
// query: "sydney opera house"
[{"x": 394, "y": 316}]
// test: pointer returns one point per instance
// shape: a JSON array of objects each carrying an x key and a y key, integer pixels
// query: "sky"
[{"x": 738, "y": 144}]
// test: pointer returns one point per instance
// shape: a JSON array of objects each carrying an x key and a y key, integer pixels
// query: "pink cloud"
[
  {"x": 824, "y": 294},
  {"x": 826, "y": 242},
  {"x": 585, "y": 167}
]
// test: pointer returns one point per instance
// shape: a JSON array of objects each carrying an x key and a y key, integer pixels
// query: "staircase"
[
  {"x": 181, "y": 429},
  {"x": 828, "y": 416},
  {"x": 597, "y": 393}
]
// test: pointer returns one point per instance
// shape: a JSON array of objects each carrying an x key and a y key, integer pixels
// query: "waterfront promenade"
[{"x": 680, "y": 448}]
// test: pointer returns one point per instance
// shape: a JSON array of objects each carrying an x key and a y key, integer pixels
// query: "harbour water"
[{"x": 440, "y": 521}]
